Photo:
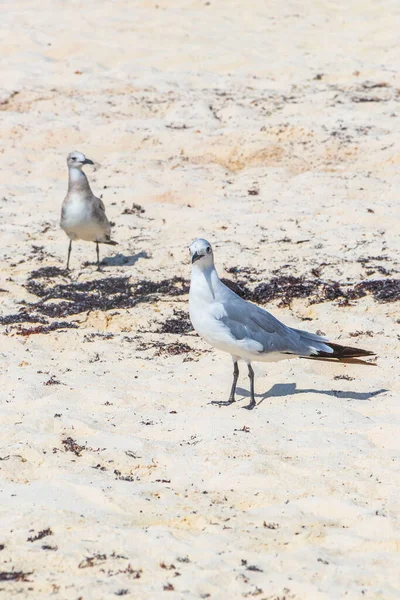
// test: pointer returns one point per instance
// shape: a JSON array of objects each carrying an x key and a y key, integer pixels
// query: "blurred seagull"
[
  {"x": 244, "y": 330},
  {"x": 83, "y": 216}
]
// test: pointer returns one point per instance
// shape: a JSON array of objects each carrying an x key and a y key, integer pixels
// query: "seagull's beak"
[
  {"x": 87, "y": 161},
  {"x": 196, "y": 256}
]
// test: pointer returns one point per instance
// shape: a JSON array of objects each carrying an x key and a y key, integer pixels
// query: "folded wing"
[{"x": 248, "y": 321}]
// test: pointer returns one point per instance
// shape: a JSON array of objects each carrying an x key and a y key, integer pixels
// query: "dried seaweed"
[
  {"x": 174, "y": 349},
  {"x": 250, "y": 273},
  {"x": 70, "y": 445},
  {"x": 47, "y": 272},
  {"x": 15, "y": 576},
  {"x": 67, "y": 298},
  {"x": 22, "y": 318},
  {"x": 163, "y": 349},
  {"x": 99, "y": 294},
  {"x": 91, "y": 337},
  {"x": 382, "y": 290},
  {"x": 179, "y": 325},
  {"x": 121, "y": 477},
  {"x": 239, "y": 287},
  {"x": 287, "y": 287},
  {"x": 135, "y": 210},
  {"x": 52, "y": 381},
  {"x": 56, "y": 325},
  {"x": 39, "y": 536},
  {"x": 92, "y": 561}
]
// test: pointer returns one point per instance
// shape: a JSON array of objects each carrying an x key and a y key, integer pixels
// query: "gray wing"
[
  {"x": 62, "y": 218},
  {"x": 246, "y": 320},
  {"x": 63, "y": 211},
  {"x": 99, "y": 214}
]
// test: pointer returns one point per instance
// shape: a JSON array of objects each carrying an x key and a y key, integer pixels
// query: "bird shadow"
[
  {"x": 281, "y": 390},
  {"x": 120, "y": 260}
]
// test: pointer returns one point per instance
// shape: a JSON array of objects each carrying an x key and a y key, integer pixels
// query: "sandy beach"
[{"x": 272, "y": 130}]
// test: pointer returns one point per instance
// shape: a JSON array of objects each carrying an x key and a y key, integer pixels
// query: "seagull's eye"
[
  {"x": 208, "y": 249},
  {"x": 73, "y": 157}
]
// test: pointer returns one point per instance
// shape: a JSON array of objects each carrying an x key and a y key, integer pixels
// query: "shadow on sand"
[
  {"x": 280, "y": 390},
  {"x": 120, "y": 260}
]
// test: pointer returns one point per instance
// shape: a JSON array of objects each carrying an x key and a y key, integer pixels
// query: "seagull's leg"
[
  {"x": 69, "y": 253},
  {"x": 235, "y": 378},
  {"x": 233, "y": 389},
  {"x": 252, "y": 403},
  {"x": 98, "y": 256}
]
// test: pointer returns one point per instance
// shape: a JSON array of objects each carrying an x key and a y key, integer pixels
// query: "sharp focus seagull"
[
  {"x": 83, "y": 216},
  {"x": 244, "y": 330}
]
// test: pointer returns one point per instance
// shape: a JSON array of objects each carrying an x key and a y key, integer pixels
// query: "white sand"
[{"x": 187, "y": 107}]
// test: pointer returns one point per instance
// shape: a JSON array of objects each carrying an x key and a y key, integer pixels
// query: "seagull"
[
  {"x": 246, "y": 331},
  {"x": 83, "y": 216}
]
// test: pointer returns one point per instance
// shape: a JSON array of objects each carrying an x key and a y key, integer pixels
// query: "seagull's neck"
[
  {"x": 206, "y": 281},
  {"x": 77, "y": 181}
]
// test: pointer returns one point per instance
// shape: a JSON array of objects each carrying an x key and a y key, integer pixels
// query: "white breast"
[{"x": 77, "y": 220}]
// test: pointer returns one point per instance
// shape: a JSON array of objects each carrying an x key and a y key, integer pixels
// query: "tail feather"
[
  {"x": 344, "y": 354},
  {"x": 341, "y": 352},
  {"x": 109, "y": 243}
]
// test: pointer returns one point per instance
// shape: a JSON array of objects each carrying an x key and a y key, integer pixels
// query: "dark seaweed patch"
[
  {"x": 177, "y": 286},
  {"x": 239, "y": 287},
  {"x": 135, "y": 210},
  {"x": 46, "y": 328},
  {"x": 368, "y": 263},
  {"x": 382, "y": 290},
  {"x": 174, "y": 349},
  {"x": 73, "y": 298},
  {"x": 15, "y": 576},
  {"x": 40, "y": 535},
  {"x": 364, "y": 260},
  {"x": 21, "y": 318},
  {"x": 163, "y": 349},
  {"x": 71, "y": 445},
  {"x": 49, "y": 272},
  {"x": 91, "y": 337},
  {"x": 111, "y": 293},
  {"x": 100, "y": 294},
  {"x": 121, "y": 477},
  {"x": 287, "y": 287},
  {"x": 248, "y": 272},
  {"x": 52, "y": 381},
  {"x": 179, "y": 324}
]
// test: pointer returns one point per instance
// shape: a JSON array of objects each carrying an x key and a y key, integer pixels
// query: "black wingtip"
[
  {"x": 342, "y": 353},
  {"x": 110, "y": 243}
]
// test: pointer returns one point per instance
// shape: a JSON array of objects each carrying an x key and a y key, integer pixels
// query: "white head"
[
  {"x": 201, "y": 253},
  {"x": 77, "y": 159}
]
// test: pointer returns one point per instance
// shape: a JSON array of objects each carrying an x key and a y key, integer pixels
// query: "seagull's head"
[
  {"x": 201, "y": 253},
  {"x": 77, "y": 159}
]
